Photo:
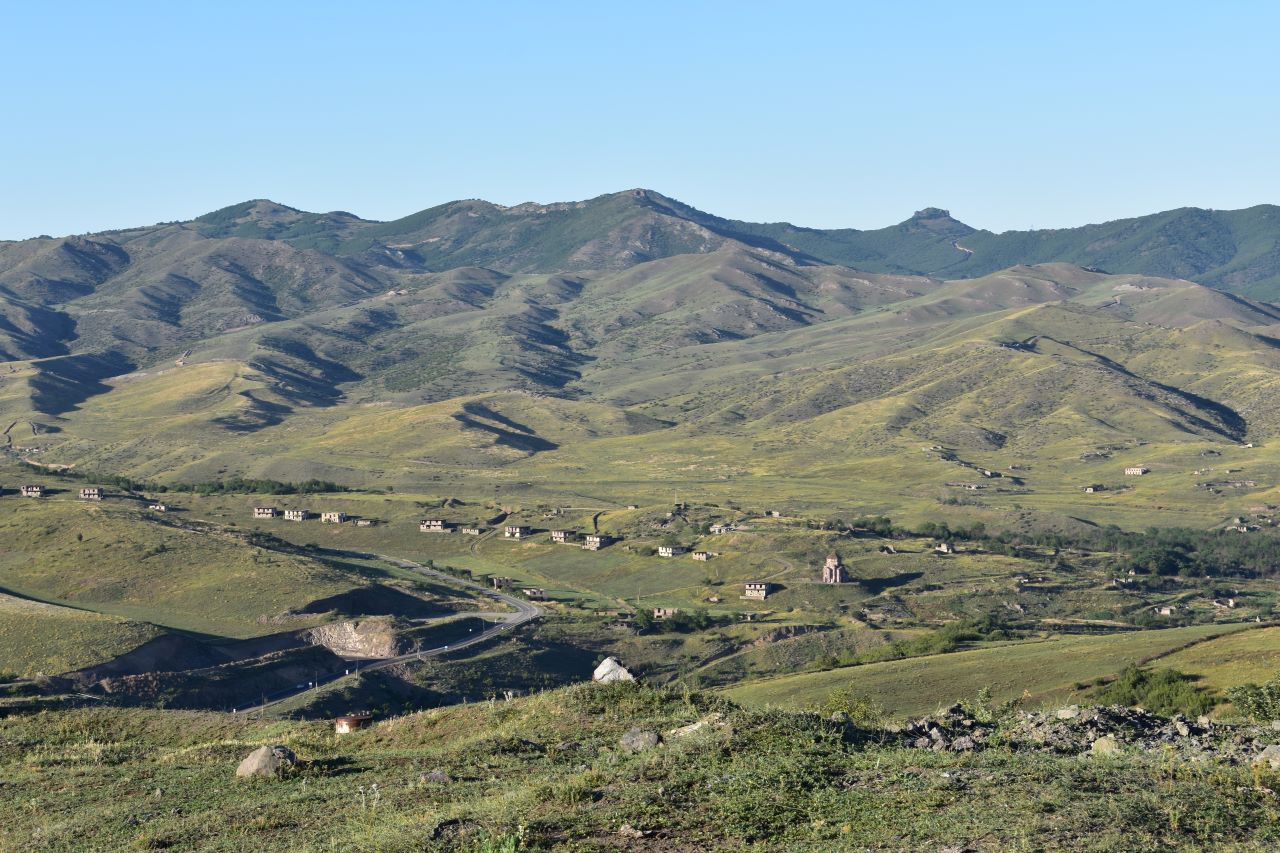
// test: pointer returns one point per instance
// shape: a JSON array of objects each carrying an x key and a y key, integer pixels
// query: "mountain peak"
[{"x": 932, "y": 213}]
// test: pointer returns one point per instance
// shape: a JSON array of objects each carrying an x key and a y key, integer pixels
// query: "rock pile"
[
  {"x": 1096, "y": 731},
  {"x": 950, "y": 730}
]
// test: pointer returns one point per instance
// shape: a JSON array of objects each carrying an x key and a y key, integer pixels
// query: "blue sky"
[{"x": 1012, "y": 115}]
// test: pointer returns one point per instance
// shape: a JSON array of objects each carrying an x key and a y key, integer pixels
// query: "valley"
[{"x": 267, "y": 468}]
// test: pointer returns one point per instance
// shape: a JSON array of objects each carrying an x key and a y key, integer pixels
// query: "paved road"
[{"x": 525, "y": 611}]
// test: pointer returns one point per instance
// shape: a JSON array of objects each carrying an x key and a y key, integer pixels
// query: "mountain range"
[{"x": 631, "y": 340}]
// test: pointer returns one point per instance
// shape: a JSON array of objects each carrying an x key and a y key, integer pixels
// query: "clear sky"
[{"x": 1012, "y": 115}]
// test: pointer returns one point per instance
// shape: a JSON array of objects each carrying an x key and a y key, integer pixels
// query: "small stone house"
[
  {"x": 333, "y": 517},
  {"x": 665, "y": 612},
  {"x": 434, "y": 525},
  {"x": 943, "y": 548},
  {"x": 91, "y": 493},
  {"x": 296, "y": 515},
  {"x": 348, "y": 723},
  {"x": 33, "y": 491},
  {"x": 515, "y": 531},
  {"x": 501, "y": 583},
  {"x": 1136, "y": 471},
  {"x": 1165, "y": 609},
  {"x": 561, "y": 537},
  {"x": 758, "y": 590},
  {"x": 702, "y": 556},
  {"x": 1089, "y": 490},
  {"x": 158, "y": 507},
  {"x": 595, "y": 541},
  {"x": 472, "y": 531},
  {"x": 365, "y": 522},
  {"x": 833, "y": 571},
  {"x": 670, "y": 550},
  {"x": 535, "y": 593},
  {"x": 265, "y": 512},
  {"x": 718, "y": 529}
]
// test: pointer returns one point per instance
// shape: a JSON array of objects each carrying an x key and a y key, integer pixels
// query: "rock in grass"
[
  {"x": 1070, "y": 712},
  {"x": 270, "y": 762},
  {"x": 1269, "y": 756},
  {"x": 694, "y": 728},
  {"x": 1105, "y": 745},
  {"x": 636, "y": 739},
  {"x": 611, "y": 670},
  {"x": 438, "y": 777}
]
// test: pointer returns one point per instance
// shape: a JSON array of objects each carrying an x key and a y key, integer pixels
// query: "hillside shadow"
[
  {"x": 523, "y": 441},
  {"x": 875, "y": 586},
  {"x": 62, "y": 384}
]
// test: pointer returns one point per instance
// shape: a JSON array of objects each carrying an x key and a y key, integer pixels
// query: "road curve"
[{"x": 525, "y": 611}]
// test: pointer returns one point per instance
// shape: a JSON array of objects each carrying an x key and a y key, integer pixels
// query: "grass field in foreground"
[
  {"x": 545, "y": 773},
  {"x": 1044, "y": 670}
]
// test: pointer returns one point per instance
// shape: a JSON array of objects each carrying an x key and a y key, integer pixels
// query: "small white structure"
[
  {"x": 333, "y": 517},
  {"x": 561, "y": 537},
  {"x": 1136, "y": 471},
  {"x": 665, "y": 612},
  {"x": 91, "y": 493},
  {"x": 718, "y": 529},
  {"x": 158, "y": 507},
  {"x": 515, "y": 531},
  {"x": 365, "y": 522},
  {"x": 265, "y": 512},
  {"x": 33, "y": 491},
  {"x": 296, "y": 515},
  {"x": 757, "y": 590},
  {"x": 472, "y": 531},
  {"x": 611, "y": 670},
  {"x": 670, "y": 550},
  {"x": 434, "y": 525},
  {"x": 943, "y": 548},
  {"x": 595, "y": 541},
  {"x": 702, "y": 556}
]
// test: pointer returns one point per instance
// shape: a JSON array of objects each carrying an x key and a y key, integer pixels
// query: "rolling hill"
[{"x": 631, "y": 342}]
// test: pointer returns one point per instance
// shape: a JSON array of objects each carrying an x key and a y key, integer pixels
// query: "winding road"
[{"x": 525, "y": 612}]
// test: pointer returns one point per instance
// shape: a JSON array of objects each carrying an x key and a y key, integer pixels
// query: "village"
[{"x": 886, "y": 587}]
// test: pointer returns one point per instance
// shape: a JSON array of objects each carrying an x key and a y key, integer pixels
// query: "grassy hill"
[
  {"x": 44, "y": 638},
  {"x": 716, "y": 375},
  {"x": 1040, "y": 671}
]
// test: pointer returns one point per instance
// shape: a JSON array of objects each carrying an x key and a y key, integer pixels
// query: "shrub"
[
  {"x": 1164, "y": 691},
  {"x": 1260, "y": 702},
  {"x": 861, "y": 710}
]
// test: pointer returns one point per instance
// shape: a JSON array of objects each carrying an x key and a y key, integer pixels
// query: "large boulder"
[
  {"x": 270, "y": 762},
  {"x": 610, "y": 670}
]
